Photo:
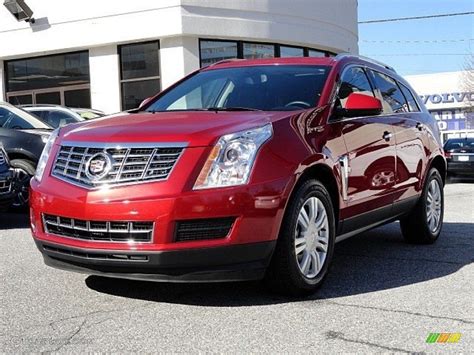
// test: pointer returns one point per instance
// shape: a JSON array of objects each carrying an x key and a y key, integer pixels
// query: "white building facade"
[
  {"x": 110, "y": 55},
  {"x": 449, "y": 96}
]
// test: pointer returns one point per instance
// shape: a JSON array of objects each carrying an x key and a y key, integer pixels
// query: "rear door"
[
  {"x": 410, "y": 135},
  {"x": 369, "y": 165}
]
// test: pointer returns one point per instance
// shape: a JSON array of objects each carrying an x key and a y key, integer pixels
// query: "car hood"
[{"x": 194, "y": 128}]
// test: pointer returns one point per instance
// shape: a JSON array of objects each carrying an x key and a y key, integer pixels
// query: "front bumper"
[
  {"x": 6, "y": 189},
  {"x": 232, "y": 263},
  {"x": 241, "y": 255}
]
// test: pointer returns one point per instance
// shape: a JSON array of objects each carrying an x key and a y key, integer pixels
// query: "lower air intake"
[{"x": 202, "y": 229}]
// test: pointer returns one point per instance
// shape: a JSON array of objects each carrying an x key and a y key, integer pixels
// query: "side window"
[
  {"x": 353, "y": 79},
  {"x": 410, "y": 99},
  {"x": 393, "y": 100}
]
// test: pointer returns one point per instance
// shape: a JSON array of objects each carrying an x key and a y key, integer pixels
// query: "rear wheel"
[
  {"x": 306, "y": 242},
  {"x": 23, "y": 172},
  {"x": 423, "y": 224}
]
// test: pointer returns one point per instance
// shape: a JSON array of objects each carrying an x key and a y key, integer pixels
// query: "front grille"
[
  {"x": 5, "y": 186},
  {"x": 96, "y": 256},
  {"x": 124, "y": 165},
  {"x": 202, "y": 229},
  {"x": 107, "y": 231},
  {"x": 2, "y": 158}
]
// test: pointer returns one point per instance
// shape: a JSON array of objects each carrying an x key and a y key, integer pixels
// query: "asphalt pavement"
[{"x": 382, "y": 295}]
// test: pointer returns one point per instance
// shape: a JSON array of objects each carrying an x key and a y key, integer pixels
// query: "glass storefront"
[
  {"x": 291, "y": 52},
  {"x": 139, "y": 72},
  {"x": 258, "y": 50},
  {"x": 215, "y": 51},
  {"x": 212, "y": 51},
  {"x": 49, "y": 80}
]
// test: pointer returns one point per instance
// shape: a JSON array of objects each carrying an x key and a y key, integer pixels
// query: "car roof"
[
  {"x": 328, "y": 61},
  {"x": 235, "y": 63}
]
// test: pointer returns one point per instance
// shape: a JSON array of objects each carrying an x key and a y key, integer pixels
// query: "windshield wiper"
[{"x": 231, "y": 109}]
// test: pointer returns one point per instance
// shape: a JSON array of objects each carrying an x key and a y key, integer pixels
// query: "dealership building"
[
  {"x": 110, "y": 55},
  {"x": 449, "y": 97}
]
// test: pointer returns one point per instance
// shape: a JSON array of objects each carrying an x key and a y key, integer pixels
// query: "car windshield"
[
  {"x": 15, "y": 118},
  {"x": 459, "y": 143},
  {"x": 266, "y": 88}
]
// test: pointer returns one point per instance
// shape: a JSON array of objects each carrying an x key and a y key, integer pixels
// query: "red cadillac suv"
[{"x": 242, "y": 170}]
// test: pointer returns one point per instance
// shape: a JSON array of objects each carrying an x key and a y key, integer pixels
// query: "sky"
[{"x": 450, "y": 39}]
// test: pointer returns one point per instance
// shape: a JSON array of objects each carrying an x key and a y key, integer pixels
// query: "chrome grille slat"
[
  {"x": 108, "y": 231},
  {"x": 130, "y": 164}
]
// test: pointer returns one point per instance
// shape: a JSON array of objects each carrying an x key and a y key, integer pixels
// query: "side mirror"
[
  {"x": 144, "y": 102},
  {"x": 361, "y": 105}
]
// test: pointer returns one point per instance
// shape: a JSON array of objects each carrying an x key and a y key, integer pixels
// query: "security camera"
[{"x": 19, "y": 10}]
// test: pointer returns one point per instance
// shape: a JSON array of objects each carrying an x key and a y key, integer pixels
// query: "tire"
[
  {"x": 285, "y": 273},
  {"x": 24, "y": 171},
  {"x": 417, "y": 227}
]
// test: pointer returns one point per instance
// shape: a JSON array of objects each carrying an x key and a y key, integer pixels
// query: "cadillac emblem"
[{"x": 98, "y": 166}]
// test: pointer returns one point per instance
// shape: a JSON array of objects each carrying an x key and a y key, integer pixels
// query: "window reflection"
[
  {"x": 46, "y": 72},
  {"x": 214, "y": 51},
  {"x": 258, "y": 50}
]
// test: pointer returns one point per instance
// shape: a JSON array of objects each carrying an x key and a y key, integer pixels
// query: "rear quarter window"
[{"x": 412, "y": 105}]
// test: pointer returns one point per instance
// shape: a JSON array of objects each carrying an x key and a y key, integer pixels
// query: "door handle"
[
  {"x": 387, "y": 135},
  {"x": 419, "y": 126}
]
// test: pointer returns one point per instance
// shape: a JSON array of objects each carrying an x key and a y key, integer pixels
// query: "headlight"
[
  {"x": 43, "y": 160},
  {"x": 231, "y": 160}
]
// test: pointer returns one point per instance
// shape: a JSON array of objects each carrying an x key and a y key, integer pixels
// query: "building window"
[
  {"x": 139, "y": 72},
  {"x": 291, "y": 52},
  {"x": 212, "y": 51},
  {"x": 49, "y": 80},
  {"x": 316, "y": 53},
  {"x": 258, "y": 50}
]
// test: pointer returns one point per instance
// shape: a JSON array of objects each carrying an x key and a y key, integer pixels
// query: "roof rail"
[
  {"x": 344, "y": 55},
  {"x": 225, "y": 61}
]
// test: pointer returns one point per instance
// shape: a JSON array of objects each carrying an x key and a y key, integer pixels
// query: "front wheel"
[
  {"x": 423, "y": 224},
  {"x": 306, "y": 242}
]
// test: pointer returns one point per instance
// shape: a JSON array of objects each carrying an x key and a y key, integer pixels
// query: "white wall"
[
  {"x": 63, "y": 26},
  {"x": 105, "y": 78},
  {"x": 70, "y": 25},
  {"x": 325, "y": 24},
  {"x": 178, "y": 57}
]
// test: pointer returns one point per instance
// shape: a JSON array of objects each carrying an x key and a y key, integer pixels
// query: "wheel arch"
[
  {"x": 439, "y": 163},
  {"x": 325, "y": 175},
  {"x": 22, "y": 155}
]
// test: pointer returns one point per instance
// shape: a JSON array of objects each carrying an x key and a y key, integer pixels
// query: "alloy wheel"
[
  {"x": 433, "y": 206},
  {"x": 21, "y": 187},
  {"x": 311, "y": 237}
]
